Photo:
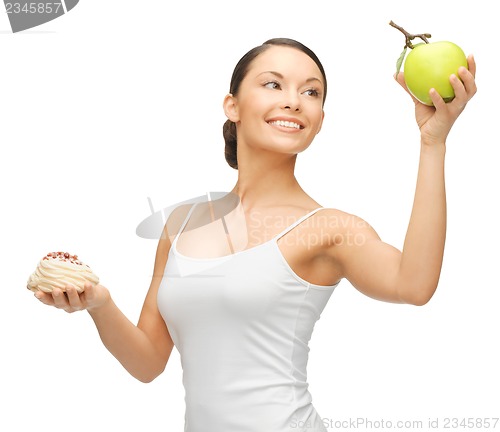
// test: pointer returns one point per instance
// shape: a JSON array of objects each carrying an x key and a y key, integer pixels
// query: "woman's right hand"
[{"x": 92, "y": 297}]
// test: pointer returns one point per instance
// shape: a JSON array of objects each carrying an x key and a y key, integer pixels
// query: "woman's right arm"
[{"x": 142, "y": 349}]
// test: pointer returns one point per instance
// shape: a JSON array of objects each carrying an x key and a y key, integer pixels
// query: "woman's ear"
[{"x": 231, "y": 108}]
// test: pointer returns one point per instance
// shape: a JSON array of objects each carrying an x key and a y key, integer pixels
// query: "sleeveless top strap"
[
  {"x": 297, "y": 222},
  {"x": 184, "y": 223}
]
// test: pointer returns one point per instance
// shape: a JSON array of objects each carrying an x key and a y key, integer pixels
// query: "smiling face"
[{"x": 279, "y": 104}]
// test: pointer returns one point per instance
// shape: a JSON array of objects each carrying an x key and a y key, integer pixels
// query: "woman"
[{"x": 241, "y": 311}]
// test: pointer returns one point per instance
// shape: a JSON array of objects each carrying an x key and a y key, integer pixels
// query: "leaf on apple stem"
[{"x": 399, "y": 63}]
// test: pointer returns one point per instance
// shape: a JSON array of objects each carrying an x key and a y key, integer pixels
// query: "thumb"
[
  {"x": 400, "y": 78},
  {"x": 89, "y": 292},
  {"x": 95, "y": 295}
]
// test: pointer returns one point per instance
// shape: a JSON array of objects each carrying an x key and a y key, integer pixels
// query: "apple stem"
[{"x": 409, "y": 37}]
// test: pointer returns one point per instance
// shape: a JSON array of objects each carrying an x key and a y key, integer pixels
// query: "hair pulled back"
[{"x": 239, "y": 73}]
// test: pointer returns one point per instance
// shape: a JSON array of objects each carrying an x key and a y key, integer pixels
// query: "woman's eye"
[
  {"x": 312, "y": 92},
  {"x": 272, "y": 85}
]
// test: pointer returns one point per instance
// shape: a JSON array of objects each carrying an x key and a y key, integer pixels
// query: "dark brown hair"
[{"x": 240, "y": 71}]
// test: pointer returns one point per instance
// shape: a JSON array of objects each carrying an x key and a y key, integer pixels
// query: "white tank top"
[{"x": 241, "y": 324}]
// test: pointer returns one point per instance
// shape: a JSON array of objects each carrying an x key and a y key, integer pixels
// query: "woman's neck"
[{"x": 262, "y": 184}]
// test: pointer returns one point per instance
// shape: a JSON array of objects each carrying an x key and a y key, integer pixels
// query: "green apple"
[{"x": 429, "y": 65}]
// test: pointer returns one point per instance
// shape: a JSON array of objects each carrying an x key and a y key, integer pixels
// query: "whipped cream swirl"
[{"x": 58, "y": 269}]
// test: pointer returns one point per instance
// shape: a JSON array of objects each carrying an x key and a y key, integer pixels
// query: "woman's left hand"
[{"x": 435, "y": 122}]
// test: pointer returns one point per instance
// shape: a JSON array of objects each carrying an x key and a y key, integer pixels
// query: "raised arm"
[{"x": 411, "y": 276}]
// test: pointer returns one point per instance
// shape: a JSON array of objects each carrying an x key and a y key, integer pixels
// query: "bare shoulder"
[
  {"x": 344, "y": 235},
  {"x": 175, "y": 220},
  {"x": 341, "y": 225},
  {"x": 170, "y": 229}
]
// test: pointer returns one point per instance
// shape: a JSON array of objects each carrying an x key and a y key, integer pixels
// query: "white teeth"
[{"x": 285, "y": 124}]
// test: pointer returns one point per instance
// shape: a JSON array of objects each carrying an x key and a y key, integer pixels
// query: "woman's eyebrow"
[
  {"x": 314, "y": 79},
  {"x": 278, "y": 75},
  {"x": 271, "y": 72}
]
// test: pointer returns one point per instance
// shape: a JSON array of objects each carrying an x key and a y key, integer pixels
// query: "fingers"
[
  {"x": 73, "y": 299},
  {"x": 60, "y": 300},
  {"x": 459, "y": 90},
  {"x": 45, "y": 298},
  {"x": 69, "y": 300},
  {"x": 464, "y": 89},
  {"x": 89, "y": 292},
  {"x": 471, "y": 62},
  {"x": 468, "y": 77},
  {"x": 464, "y": 85},
  {"x": 456, "y": 106},
  {"x": 436, "y": 99}
]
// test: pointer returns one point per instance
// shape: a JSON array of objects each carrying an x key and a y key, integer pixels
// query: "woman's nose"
[{"x": 291, "y": 102}]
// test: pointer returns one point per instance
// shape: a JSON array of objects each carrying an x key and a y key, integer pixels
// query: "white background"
[{"x": 118, "y": 101}]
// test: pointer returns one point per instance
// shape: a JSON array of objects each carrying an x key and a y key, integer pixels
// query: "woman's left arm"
[
  {"x": 412, "y": 276},
  {"x": 423, "y": 248}
]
